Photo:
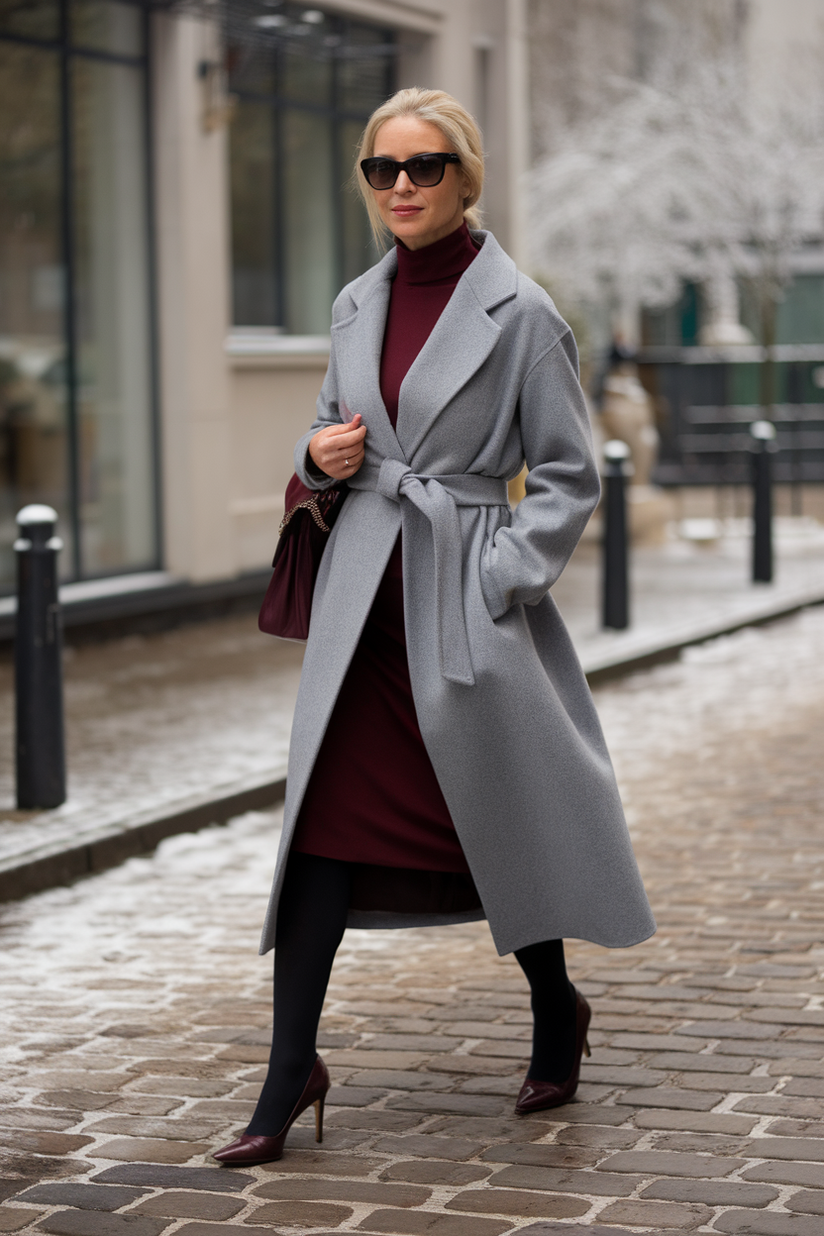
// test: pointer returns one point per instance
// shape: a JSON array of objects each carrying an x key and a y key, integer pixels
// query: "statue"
[{"x": 627, "y": 413}]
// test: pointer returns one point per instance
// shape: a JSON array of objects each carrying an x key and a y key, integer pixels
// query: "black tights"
[
  {"x": 312, "y": 915},
  {"x": 553, "y": 1010}
]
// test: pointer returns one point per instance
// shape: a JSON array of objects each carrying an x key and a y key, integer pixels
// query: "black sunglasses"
[{"x": 424, "y": 170}]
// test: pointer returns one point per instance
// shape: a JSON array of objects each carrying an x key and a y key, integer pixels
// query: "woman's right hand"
[{"x": 338, "y": 450}]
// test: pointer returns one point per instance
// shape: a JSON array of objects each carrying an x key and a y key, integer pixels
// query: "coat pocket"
[{"x": 495, "y": 598}]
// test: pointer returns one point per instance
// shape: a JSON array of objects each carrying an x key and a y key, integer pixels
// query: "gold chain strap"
[{"x": 310, "y": 505}]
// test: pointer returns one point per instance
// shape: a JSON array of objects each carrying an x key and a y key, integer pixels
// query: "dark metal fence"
[{"x": 706, "y": 400}]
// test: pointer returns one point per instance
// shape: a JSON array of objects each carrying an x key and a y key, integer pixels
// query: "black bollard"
[
  {"x": 615, "y": 548},
  {"x": 38, "y": 671},
  {"x": 763, "y": 433}
]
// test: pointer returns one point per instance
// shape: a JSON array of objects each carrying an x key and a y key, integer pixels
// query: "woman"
[{"x": 447, "y": 763}]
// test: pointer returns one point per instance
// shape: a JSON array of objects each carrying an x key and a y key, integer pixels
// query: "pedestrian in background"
[{"x": 446, "y": 762}]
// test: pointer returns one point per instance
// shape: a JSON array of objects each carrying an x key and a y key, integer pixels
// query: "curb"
[
  {"x": 139, "y": 835},
  {"x": 92, "y": 613},
  {"x": 646, "y": 653},
  {"x": 113, "y": 844}
]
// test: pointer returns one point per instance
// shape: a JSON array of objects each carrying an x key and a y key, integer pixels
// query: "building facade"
[{"x": 175, "y": 220}]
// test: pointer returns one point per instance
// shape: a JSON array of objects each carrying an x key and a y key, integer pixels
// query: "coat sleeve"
[
  {"x": 524, "y": 559},
  {"x": 327, "y": 414}
]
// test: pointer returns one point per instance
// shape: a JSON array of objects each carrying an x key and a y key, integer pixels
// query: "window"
[
  {"x": 76, "y": 409},
  {"x": 305, "y": 81}
]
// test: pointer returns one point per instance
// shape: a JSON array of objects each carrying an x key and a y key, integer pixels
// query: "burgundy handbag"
[{"x": 304, "y": 531}]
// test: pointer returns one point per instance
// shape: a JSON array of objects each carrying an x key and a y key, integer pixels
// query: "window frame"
[
  {"x": 68, "y": 53},
  {"x": 337, "y": 115}
]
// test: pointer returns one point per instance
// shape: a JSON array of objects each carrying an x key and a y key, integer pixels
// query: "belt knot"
[
  {"x": 394, "y": 478},
  {"x": 437, "y": 498}
]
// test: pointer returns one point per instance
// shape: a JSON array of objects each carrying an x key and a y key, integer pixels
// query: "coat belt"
[{"x": 438, "y": 499}]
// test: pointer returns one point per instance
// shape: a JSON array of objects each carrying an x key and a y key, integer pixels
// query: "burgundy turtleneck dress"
[{"x": 373, "y": 797}]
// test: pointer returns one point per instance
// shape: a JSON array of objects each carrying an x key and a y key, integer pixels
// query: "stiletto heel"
[
  {"x": 587, "y": 1052},
  {"x": 537, "y": 1096},
  {"x": 250, "y": 1149}
]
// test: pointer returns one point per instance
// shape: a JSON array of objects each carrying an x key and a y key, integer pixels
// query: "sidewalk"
[
  {"x": 684, "y": 593},
  {"x": 170, "y": 732}
]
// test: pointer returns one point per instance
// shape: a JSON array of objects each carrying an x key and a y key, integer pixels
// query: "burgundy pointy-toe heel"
[
  {"x": 250, "y": 1149},
  {"x": 537, "y": 1096}
]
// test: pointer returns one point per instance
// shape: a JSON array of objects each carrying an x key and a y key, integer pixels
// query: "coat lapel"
[
  {"x": 461, "y": 341},
  {"x": 357, "y": 342}
]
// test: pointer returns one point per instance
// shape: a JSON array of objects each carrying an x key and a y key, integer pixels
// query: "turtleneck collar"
[{"x": 440, "y": 262}]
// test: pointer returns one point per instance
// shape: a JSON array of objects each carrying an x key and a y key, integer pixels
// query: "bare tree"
[{"x": 690, "y": 176}]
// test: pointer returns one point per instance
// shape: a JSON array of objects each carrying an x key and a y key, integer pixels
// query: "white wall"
[
  {"x": 193, "y": 265},
  {"x": 273, "y": 404}
]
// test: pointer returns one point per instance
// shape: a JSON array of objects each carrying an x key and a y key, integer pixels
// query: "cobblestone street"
[{"x": 136, "y": 1011}]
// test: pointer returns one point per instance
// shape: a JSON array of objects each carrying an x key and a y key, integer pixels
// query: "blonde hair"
[{"x": 459, "y": 130}]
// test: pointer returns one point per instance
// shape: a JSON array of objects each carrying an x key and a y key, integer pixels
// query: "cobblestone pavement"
[{"x": 135, "y": 1015}]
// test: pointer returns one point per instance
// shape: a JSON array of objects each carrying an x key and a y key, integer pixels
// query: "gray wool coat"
[{"x": 504, "y": 709}]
